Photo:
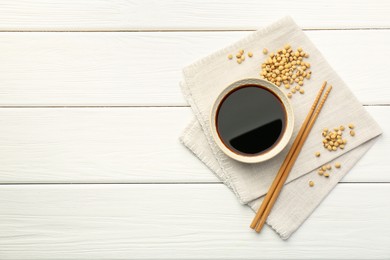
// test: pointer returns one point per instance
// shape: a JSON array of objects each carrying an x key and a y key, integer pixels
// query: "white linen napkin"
[{"x": 206, "y": 78}]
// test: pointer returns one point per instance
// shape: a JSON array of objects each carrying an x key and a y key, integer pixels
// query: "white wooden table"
[{"x": 85, "y": 173}]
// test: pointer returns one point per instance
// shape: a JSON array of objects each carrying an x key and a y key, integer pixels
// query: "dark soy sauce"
[{"x": 250, "y": 120}]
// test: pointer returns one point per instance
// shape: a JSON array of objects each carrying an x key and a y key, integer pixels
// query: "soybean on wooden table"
[{"x": 83, "y": 85}]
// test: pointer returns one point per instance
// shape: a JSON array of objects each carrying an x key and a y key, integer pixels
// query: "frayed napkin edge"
[
  {"x": 188, "y": 133},
  {"x": 286, "y": 20}
]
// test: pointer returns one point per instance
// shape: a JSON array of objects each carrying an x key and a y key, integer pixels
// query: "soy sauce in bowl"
[{"x": 250, "y": 120}]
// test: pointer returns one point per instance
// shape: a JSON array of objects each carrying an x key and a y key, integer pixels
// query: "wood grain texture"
[
  {"x": 182, "y": 222},
  {"x": 143, "y": 69},
  {"x": 195, "y": 217},
  {"x": 189, "y": 15},
  {"x": 132, "y": 145}
]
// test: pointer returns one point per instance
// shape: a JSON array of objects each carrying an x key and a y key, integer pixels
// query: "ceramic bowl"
[{"x": 286, "y": 135}]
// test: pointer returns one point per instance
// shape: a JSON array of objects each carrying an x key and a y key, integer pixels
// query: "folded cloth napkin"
[{"x": 206, "y": 78}]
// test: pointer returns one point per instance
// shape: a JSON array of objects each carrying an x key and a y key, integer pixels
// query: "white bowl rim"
[{"x": 287, "y": 132}]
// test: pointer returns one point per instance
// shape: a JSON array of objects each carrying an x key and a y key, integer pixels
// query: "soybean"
[{"x": 288, "y": 67}]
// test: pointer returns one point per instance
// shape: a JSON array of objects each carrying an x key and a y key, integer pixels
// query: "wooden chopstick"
[
  {"x": 292, "y": 161},
  {"x": 287, "y": 159}
]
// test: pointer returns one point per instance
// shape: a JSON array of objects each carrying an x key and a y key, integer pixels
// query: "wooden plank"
[
  {"x": 143, "y": 69},
  {"x": 105, "y": 145},
  {"x": 182, "y": 222},
  {"x": 189, "y": 15}
]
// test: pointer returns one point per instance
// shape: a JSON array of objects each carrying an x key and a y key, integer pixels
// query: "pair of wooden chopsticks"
[{"x": 280, "y": 179}]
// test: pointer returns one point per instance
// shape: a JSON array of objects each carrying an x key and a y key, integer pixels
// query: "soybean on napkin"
[{"x": 206, "y": 78}]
